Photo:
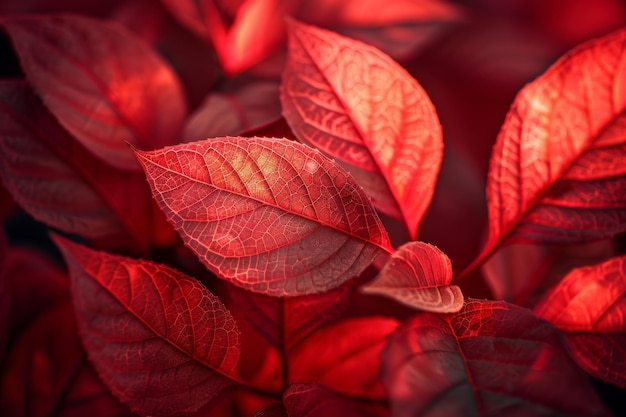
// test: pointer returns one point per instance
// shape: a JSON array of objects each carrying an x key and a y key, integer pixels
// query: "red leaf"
[
  {"x": 35, "y": 283},
  {"x": 232, "y": 113},
  {"x": 59, "y": 183},
  {"x": 159, "y": 339},
  {"x": 521, "y": 273},
  {"x": 344, "y": 356},
  {"x": 243, "y": 37},
  {"x": 589, "y": 305},
  {"x": 312, "y": 400},
  {"x": 5, "y": 295},
  {"x": 104, "y": 86},
  {"x": 399, "y": 28},
  {"x": 269, "y": 215},
  {"x": 418, "y": 275},
  {"x": 557, "y": 172},
  {"x": 358, "y": 106},
  {"x": 47, "y": 372},
  {"x": 285, "y": 322},
  {"x": 489, "y": 359}
]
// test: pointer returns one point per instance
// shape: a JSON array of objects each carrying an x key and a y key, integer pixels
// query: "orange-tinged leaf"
[
  {"x": 360, "y": 107},
  {"x": 418, "y": 275},
  {"x": 159, "y": 339},
  {"x": 589, "y": 305},
  {"x": 104, "y": 85},
  {"x": 270, "y": 215},
  {"x": 557, "y": 173}
]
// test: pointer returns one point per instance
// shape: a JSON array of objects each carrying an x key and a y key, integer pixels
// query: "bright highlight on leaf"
[
  {"x": 105, "y": 86},
  {"x": 418, "y": 275},
  {"x": 589, "y": 305},
  {"x": 557, "y": 171},
  {"x": 489, "y": 359},
  {"x": 160, "y": 341},
  {"x": 358, "y": 106},
  {"x": 270, "y": 215}
]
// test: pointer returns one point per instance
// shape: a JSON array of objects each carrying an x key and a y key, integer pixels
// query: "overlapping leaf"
[
  {"x": 313, "y": 400},
  {"x": 489, "y": 359},
  {"x": 61, "y": 184},
  {"x": 285, "y": 322},
  {"x": 5, "y": 295},
  {"x": 358, "y": 106},
  {"x": 269, "y": 215},
  {"x": 589, "y": 304},
  {"x": 231, "y": 113},
  {"x": 103, "y": 85},
  {"x": 47, "y": 372},
  {"x": 344, "y": 356},
  {"x": 557, "y": 171},
  {"x": 418, "y": 275},
  {"x": 160, "y": 340}
]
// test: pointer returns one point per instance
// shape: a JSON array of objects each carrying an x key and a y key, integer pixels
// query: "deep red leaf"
[
  {"x": 232, "y": 113},
  {"x": 242, "y": 38},
  {"x": 344, "y": 356},
  {"x": 36, "y": 282},
  {"x": 312, "y": 400},
  {"x": 104, "y": 85},
  {"x": 489, "y": 359},
  {"x": 273, "y": 410},
  {"x": 61, "y": 184},
  {"x": 358, "y": 106},
  {"x": 521, "y": 273},
  {"x": 5, "y": 295},
  {"x": 589, "y": 305},
  {"x": 557, "y": 172},
  {"x": 160, "y": 340},
  {"x": 284, "y": 322},
  {"x": 270, "y": 215},
  {"x": 418, "y": 275},
  {"x": 399, "y": 28},
  {"x": 47, "y": 372}
]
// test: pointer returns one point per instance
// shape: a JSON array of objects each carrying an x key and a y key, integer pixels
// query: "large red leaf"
[
  {"x": 104, "y": 85},
  {"x": 344, "y": 356},
  {"x": 59, "y": 183},
  {"x": 557, "y": 172},
  {"x": 489, "y": 359},
  {"x": 269, "y": 215},
  {"x": 160, "y": 340},
  {"x": 47, "y": 373},
  {"x": 358, "y": 106},
  {"x": 418, "y": 275},
  {"x": 589, "y": 305},
  {"x": 233, "y": 112}
]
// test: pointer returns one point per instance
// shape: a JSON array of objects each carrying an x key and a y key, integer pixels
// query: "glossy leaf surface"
[
  {"x": 358, "y": 106},
  {"x": 160, "y": 340},
  {"x": 344, "y": 356},
  {"x": 557, "y": 172},
  {"x": 589, "y": 305},
  {"x": 105, "y": 86},
  {"x": 59, "y": 183},
  {"x": 418, "y": 275},
  {"x": 489, "y": 359},
  {"x": 269, "y": 215}
]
